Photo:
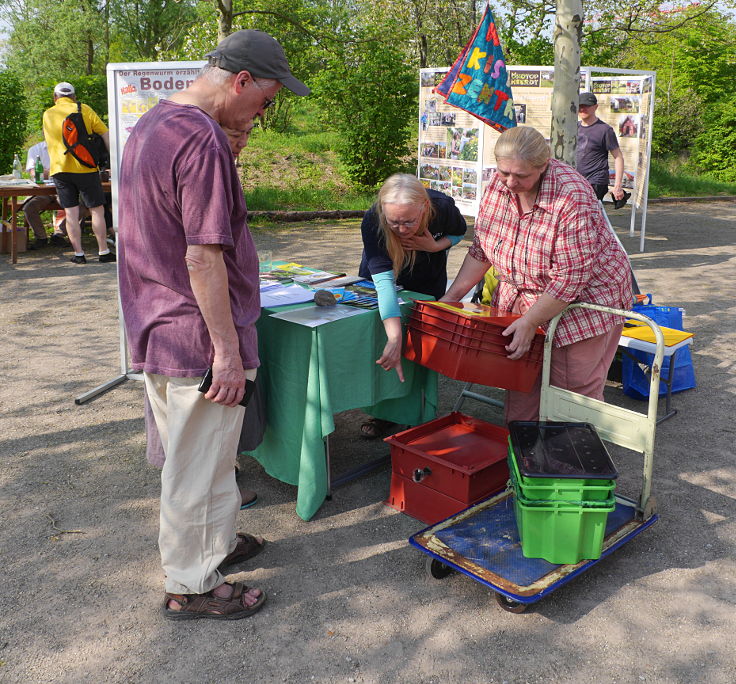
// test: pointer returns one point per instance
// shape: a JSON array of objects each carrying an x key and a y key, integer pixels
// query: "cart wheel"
[
  {"x": 437, "y": 569},
  {"x": 510, "y": 605}
]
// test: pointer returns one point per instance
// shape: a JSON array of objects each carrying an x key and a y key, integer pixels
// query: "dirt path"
[{"x": 348, "y": 598}]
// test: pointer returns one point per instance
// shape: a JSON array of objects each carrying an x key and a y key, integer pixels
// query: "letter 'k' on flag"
[{"x": 477, "y": 81}]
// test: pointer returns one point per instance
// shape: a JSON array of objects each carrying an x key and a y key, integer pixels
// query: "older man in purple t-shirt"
[{"x": 190, "y": 298}]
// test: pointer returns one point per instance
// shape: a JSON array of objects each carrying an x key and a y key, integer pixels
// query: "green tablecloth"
[{"x": 309, "y": 374}]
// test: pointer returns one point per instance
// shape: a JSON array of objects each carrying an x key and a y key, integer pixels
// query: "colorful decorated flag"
[{"x": 477, "y": 80}]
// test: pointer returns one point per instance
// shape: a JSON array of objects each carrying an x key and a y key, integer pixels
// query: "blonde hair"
[
  {"x": 402, "y": 188},
  {"x": 524, "y": 143}
]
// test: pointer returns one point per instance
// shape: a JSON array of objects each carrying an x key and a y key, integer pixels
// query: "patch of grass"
[
  {"x": 669, "y": 179},
  {"x": 298, "y": 170},
  {"x": 306, "y": 198}
]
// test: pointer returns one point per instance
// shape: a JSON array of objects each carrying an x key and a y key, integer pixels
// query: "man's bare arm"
[{"x": 208, "y": 278}]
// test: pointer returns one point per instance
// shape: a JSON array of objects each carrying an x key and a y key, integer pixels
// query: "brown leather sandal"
[
  {"x": 247, "y": 547},
  {"x": 209, "y": 606}
]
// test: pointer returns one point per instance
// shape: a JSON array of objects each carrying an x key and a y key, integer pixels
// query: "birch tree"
[{"x": 568, "y": 28}]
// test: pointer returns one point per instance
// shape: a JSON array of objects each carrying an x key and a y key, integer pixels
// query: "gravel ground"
[{"x": 349, "y": 600}]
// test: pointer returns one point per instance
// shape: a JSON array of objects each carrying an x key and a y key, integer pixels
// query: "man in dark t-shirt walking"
[{"x": 595, "y": 140}]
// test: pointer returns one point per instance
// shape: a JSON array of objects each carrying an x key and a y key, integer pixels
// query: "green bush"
[
  {"x": 714, "y": 150},
  {"x": 91, "y": 90},
  {"x": 13, "y": 121},
  {"x": 369, "y": 96},
  {"x": 677, "y": 122}
]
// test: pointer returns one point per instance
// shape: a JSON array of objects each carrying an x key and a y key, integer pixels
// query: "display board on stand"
[
  {"x": 132, "y": 89},
  {"x": 456, "y": 150}
]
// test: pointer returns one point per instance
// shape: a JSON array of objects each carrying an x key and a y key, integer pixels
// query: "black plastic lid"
[{"x": 561, "y": 450}]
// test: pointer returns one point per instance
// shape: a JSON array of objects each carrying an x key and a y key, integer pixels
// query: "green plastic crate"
[
  {"x": 561, "y": 533},
  {"x": 559, "y": 489}
]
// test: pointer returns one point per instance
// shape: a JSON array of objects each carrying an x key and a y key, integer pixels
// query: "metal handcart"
[{"x": 482, "y": 541}]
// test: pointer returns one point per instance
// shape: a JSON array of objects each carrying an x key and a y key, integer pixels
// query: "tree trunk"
[
  {"x": 568, "y": 28},
  {"x": 224, "y": 18},
  {"x": 90, "y": 55}
]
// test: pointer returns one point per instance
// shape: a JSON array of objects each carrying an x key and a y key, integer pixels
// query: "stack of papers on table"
[
  {"x": 275, "y": 294},
  {"x": 342, "y": 281},
  {"x": 316, "y": 277}
]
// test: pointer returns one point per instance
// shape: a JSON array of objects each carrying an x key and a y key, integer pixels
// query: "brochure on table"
[{"x": 312, "y": 316}]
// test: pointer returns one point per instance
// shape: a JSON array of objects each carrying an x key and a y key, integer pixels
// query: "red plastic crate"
[
  {"x": 458, "y": 456},
  {"x": 492, "y": 341},
  {"x": 420, "y": 502},
  {"x": 465, "y": 317},
  {"x": 471, "y": 365},
  {"x": 464, "y": 341},
  {"x": 460, "y": 318}
]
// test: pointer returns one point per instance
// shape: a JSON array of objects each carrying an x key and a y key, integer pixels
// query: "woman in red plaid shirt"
[{"x": 541, "y": 226}]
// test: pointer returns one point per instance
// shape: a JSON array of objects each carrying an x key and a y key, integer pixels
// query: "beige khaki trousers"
[{"x": 199, "y": 495}]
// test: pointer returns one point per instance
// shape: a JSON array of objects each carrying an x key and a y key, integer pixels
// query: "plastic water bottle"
[
  {"x": 38, "y": 168},
  {"x": 17, "y": 169}
]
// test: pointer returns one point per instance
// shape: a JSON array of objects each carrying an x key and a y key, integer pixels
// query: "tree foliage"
[
  {"x": 294, "y": 26},
  {"x": 56, "y": 38},
  {"x": 338, "y": 43},
  {"x": 369, "y": 96},
  {"x": 714, "y": 150},
  {"x": 695, "y": 66},
  {"x": 13, "y": 122},
  {"x": 144, "y": 30}
]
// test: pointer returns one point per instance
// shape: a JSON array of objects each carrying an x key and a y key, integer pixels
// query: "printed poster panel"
[
  {"x": 645, "y": 139},
  {"x": 133, "y": 89},
  {"x": 620, "y": 105},
  {"x": 450, "y": 145},
  {"x": 532, "y": 90}
]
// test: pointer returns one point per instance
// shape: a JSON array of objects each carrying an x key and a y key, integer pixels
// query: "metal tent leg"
[{"x": 100, "y": 389}]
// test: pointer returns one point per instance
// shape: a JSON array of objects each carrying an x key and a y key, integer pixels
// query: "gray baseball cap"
[
  {"x": 257, "y": 53},
  {"x": 587, "y": 99}
]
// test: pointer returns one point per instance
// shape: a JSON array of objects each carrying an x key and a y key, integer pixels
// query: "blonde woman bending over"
[{"x": 406, "y": 236}]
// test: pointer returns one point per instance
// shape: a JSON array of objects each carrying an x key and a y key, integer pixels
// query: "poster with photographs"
[
  {"x": 626, "y": 103},
  {"x": 456, "y": 150},
  {"x": 450, "y": 145},
  {"x": 532, "y": 90},
  {"x": 622, "y": 101},
  {"x": 646, "y": 107}
]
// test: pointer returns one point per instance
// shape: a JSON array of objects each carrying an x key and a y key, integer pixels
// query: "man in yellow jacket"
[{"x": 72, "y": 178}]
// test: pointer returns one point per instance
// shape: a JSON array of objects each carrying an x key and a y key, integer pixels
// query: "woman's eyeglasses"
[{"x": 405, "y": 224}]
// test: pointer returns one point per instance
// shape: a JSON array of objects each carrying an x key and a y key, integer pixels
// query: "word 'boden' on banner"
[{"x": 477, "y": 81}]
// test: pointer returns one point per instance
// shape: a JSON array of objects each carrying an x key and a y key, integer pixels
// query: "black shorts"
[
  {"x": 600, "y": 190},
  {"x": 69, "y": 187}
]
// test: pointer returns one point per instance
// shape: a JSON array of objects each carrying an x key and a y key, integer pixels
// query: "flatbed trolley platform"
[{"x": 482, "y": 541}]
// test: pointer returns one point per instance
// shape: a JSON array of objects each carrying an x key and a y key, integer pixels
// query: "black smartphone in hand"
[{"x": 207, "y": 382}]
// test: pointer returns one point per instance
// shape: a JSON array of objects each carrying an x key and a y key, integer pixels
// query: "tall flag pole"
[{"x": 477, "y": 81}]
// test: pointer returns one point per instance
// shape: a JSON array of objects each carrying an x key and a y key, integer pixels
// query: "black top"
[
  {"x": 591, "y": 153},
  {"x": 429, "y": 274}
]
